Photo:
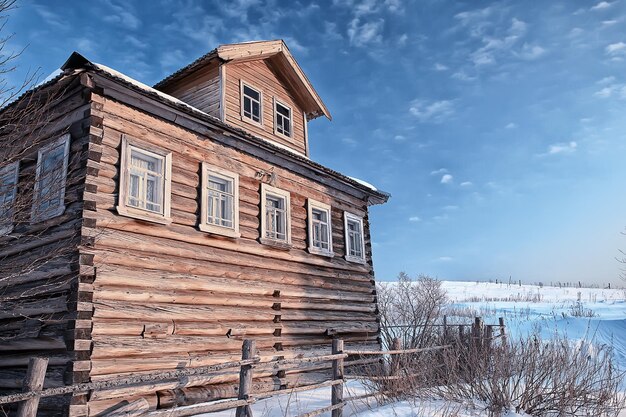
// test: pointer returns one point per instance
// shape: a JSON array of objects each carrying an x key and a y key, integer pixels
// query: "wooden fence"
[{"x": 33, "y": 384}]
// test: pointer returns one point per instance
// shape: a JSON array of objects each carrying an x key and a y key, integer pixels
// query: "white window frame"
[
  {"x": 12, "y": 170},
  {"x": 36, "y": 214},
  {"x": 209, "y": 170},
  {"x": 353, "y": 217},
  {"x": 276, "y": 132},
  {"x": 311, "y": 205},
  {"x": 243, "y": 84},
  {"x": 123, "y": 208},
  {"x": 277, "y": 192}
]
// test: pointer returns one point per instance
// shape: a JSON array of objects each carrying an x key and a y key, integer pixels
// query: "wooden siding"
[
  {"x": 166, "y": 296},
  {"x": 38, "y": 305},
  {"x": 200, "y": 90},
  {"x": 260, "y": 75}
]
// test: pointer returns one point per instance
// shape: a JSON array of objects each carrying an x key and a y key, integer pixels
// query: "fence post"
[
  {"x": 488, "y": 337},
  {"x": 337, "y": 390},
  {"x": 35, "y": 376},
  {"x": 445, "y": 329},
  {"x": 478, "y": 333},
  {"x": 245, "y": 378},
  {"x": 396, "y": 344},
  {"x": 502, "y": 329}
]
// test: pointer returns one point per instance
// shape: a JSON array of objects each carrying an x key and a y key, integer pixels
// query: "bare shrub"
[
  {"x": 410, "y": 309},
  {"x": 577, "y": 309},
  {"x": 557, "y": 377}
]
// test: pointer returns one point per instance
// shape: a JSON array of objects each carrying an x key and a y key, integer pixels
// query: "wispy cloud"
[
  {"x": 439, "y": 171},
  {"x": 447, "y": 179},
  {"x": 50, "y": 17},
  {"x": 561, "y": 148},
  {"x": 123, "y": 15},
  {"x": 444, "y": 259},
  {"x": 511, "y": 126},
  {"x": 365, "y": 33},
  {"x": 450, "y": 208},
  {"x": 431, "y": 111},
  {"x": 136, "y": 42},
  {"x": 530, "y": 52},
  {"x": 601, "y": 6},
  {"x": 466, "y": 184},
  {"x": 616, "y": 50},
  {"x": 440, "y": 67},
  {"x": 613, "y": 90},
  {"x": 414, "y": 219}
]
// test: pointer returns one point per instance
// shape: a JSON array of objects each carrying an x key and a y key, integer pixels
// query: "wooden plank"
[
  {"x": 337, "y": 390},
  {"x": 245, "y": 378},
  {"x": 132, "y": 409},
  {"x": 33, "y": 382}
]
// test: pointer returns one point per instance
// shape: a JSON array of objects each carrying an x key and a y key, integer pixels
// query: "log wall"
[
  {"x": 172, "y": 296},
  {"x": 40, "y": 262}
]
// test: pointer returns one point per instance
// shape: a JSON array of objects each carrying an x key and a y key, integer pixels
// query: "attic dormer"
[{"x": 256, "y": 86}]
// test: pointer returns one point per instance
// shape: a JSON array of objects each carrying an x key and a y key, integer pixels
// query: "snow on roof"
[
  {"x": 364, "y": 183},
  {"x": 143, "y": 86},
  {"x": 50, "y": 77}
]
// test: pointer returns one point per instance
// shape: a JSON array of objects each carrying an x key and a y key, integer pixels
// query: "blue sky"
[{"x": 498, "y": 127}]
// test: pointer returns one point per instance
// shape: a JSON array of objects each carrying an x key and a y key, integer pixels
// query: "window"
[
  {"x": 8, "y": 190},
  {"x": 355, "y": 245},
  {"x": 282, "y": 119},
  {"x": 320, "y": 234},
  {"x": 251, "y": 107},
  {"x": 275, "y": 212},
  {"x": 220, "y": 201},
  {"x": 145, "y": 182},
  {"x": 50, "y": 179}
]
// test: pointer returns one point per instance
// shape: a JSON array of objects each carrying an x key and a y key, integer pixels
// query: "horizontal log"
[
  {"x": 253, "y": 283},
  {"x": 33, "y": 344},
  {"x": 184, "y": 312}
]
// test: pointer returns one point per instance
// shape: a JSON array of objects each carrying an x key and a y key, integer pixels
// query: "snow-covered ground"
[
  {"x": 549, "y": 310},
  {"x": 525, "y": 308},
  {"x": 303, "y": 402}
]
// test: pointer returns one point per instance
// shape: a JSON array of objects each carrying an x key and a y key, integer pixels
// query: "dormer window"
[
  {"x": 251, "y": 107},
  {"x": 282, "y": 119}
]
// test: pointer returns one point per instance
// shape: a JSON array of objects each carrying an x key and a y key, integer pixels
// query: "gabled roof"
[{"x": 278, "y": 54}]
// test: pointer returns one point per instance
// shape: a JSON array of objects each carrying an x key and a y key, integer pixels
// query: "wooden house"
[{"x": 188, "y": 217}]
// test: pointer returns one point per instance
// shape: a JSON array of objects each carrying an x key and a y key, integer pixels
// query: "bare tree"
[
  {"x": 36, "y": 243},
  {"x": 409, "y": 310}
]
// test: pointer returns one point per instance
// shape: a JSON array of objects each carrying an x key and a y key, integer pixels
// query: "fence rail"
[{"x": 249, "y": 363}]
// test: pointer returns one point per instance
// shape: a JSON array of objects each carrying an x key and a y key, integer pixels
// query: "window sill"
[
  {"x": 143, "y": 215},
  {"x": 220, "y": 231},
  {"x": 282, "y": 135},
  {"x": 252, "y": 122},
  {"x": 355, "y": 259},
  {"x": 278, "y": 244},
  {"x": 38, "y": 218},
  {"x": 316, "y": 251}
]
